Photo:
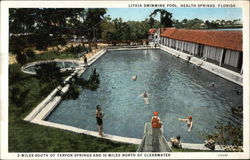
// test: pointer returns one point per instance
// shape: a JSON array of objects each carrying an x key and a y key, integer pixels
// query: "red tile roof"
[
  {"x": 223, "y": 39},
  {"x": 152, "y": 31}
]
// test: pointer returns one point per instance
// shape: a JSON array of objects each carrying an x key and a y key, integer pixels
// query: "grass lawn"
[{"x": 25, "y": 92}]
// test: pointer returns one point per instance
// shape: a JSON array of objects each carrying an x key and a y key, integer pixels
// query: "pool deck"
[
  {"x": 39, "y": 114},
  {"x": 199, "y": 62}
]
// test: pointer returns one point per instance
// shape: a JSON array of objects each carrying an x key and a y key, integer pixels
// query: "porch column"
[
  {"x": 182, "y": 43},
  {"x": 221, "y": 56},
  {"x": 193, "y": 48}
]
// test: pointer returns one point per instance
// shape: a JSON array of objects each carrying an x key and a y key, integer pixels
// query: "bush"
[
  {"x": 14, "y": 74},
  {"x": 29, "y": 53},
  {"x": 21, "y": 58},
  {"x": 18, "y": 95},
  {"x": 76, "y": 49},
  {"x": 92, "y": 83},
  {"x": 73, "y": 92}
]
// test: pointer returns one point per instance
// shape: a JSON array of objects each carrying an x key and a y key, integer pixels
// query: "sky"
[{"x": 139, "y": 14}]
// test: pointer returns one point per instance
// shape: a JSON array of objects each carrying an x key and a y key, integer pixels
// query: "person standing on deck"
[
  {"x": 85, "y": 60},
  {"x": 156, "y": 132},
  {"x": 155, "y": 121},
  {"x": 99, "y": 115}
]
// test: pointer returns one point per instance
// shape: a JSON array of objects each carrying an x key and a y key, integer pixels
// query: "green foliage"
[
  {"x": 165, "y": 17},
  {"x": 54, "y": 55},
  {"x": 211, "y": 25},
  {"x": 92, "y": 83},
  {"x": 73, "y": 92},
  {"x": 26, "y": 56},
  {"x": 21, "y": 58},
  {"x": 200, "y": 24},
  {"x": 228, "y": 133},
  {"x": 18, "y": 95},
  {"x": 43, "y": 27},
  {"x": 48, "y": 72},
  {"x": 91, "y": 28},
  {"x": 29, "y": 53},
  {"x": 125, "y": 32},
  {"x": 14, "y": 74},
  {"x": 76, "y": 49}
]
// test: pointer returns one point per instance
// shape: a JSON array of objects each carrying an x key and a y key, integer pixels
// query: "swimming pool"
[{"x": 176, "y": 89}]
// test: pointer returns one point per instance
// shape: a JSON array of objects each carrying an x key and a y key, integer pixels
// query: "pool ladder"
[{"x": 202, "y": 59}]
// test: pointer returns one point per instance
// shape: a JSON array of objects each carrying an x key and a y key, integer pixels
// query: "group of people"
[{"x": 175, "y": 142}]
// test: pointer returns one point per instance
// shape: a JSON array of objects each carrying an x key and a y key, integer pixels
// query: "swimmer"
[
  {"x": 238, "y": 92},
  {"x": 212, "y": 84},
  {"x": 145, "y": 97},
  {"x": 134, "y": 78},
  {"x": 189, "y": 122}
]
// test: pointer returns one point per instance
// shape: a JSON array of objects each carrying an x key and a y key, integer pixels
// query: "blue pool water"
[{"x": 176, "y": 90}]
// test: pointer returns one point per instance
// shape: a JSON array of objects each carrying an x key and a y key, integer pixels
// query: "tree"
[
  {"x": 165, "y": 17},
  {"x": 108, "y": 28},
  {"x": 92, "y": 19},
  {"x": 43, "y": 27},
  {"x": 151, "y": 22}
]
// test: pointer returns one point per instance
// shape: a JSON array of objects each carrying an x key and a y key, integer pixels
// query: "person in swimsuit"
[
  {"x": 156, "y": 131},
  {"x": 176, "y": 142},
  {"x": 145, "y": 97},
  {"x": 189, "y": 121},
  {"x": 99, "y": 115}
]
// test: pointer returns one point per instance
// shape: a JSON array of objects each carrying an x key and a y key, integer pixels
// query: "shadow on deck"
[{"x": 153, "y": 140}]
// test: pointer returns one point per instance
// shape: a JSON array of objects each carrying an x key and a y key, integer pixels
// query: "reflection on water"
[{"x": 176, "y": 90}]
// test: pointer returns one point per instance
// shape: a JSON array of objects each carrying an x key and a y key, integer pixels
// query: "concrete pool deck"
[
  {"x": 39, "y": 114},
  {"x": 215, "y": 69}
]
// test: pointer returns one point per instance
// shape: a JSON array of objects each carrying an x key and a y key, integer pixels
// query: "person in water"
[
  {"x": 99, "y": 115},
  {"x": 212, "y": 84},
  {"x": 145, "y": 97},
  {"x": 189, "y": 121},
  {"x": 176, "y": 142}
]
